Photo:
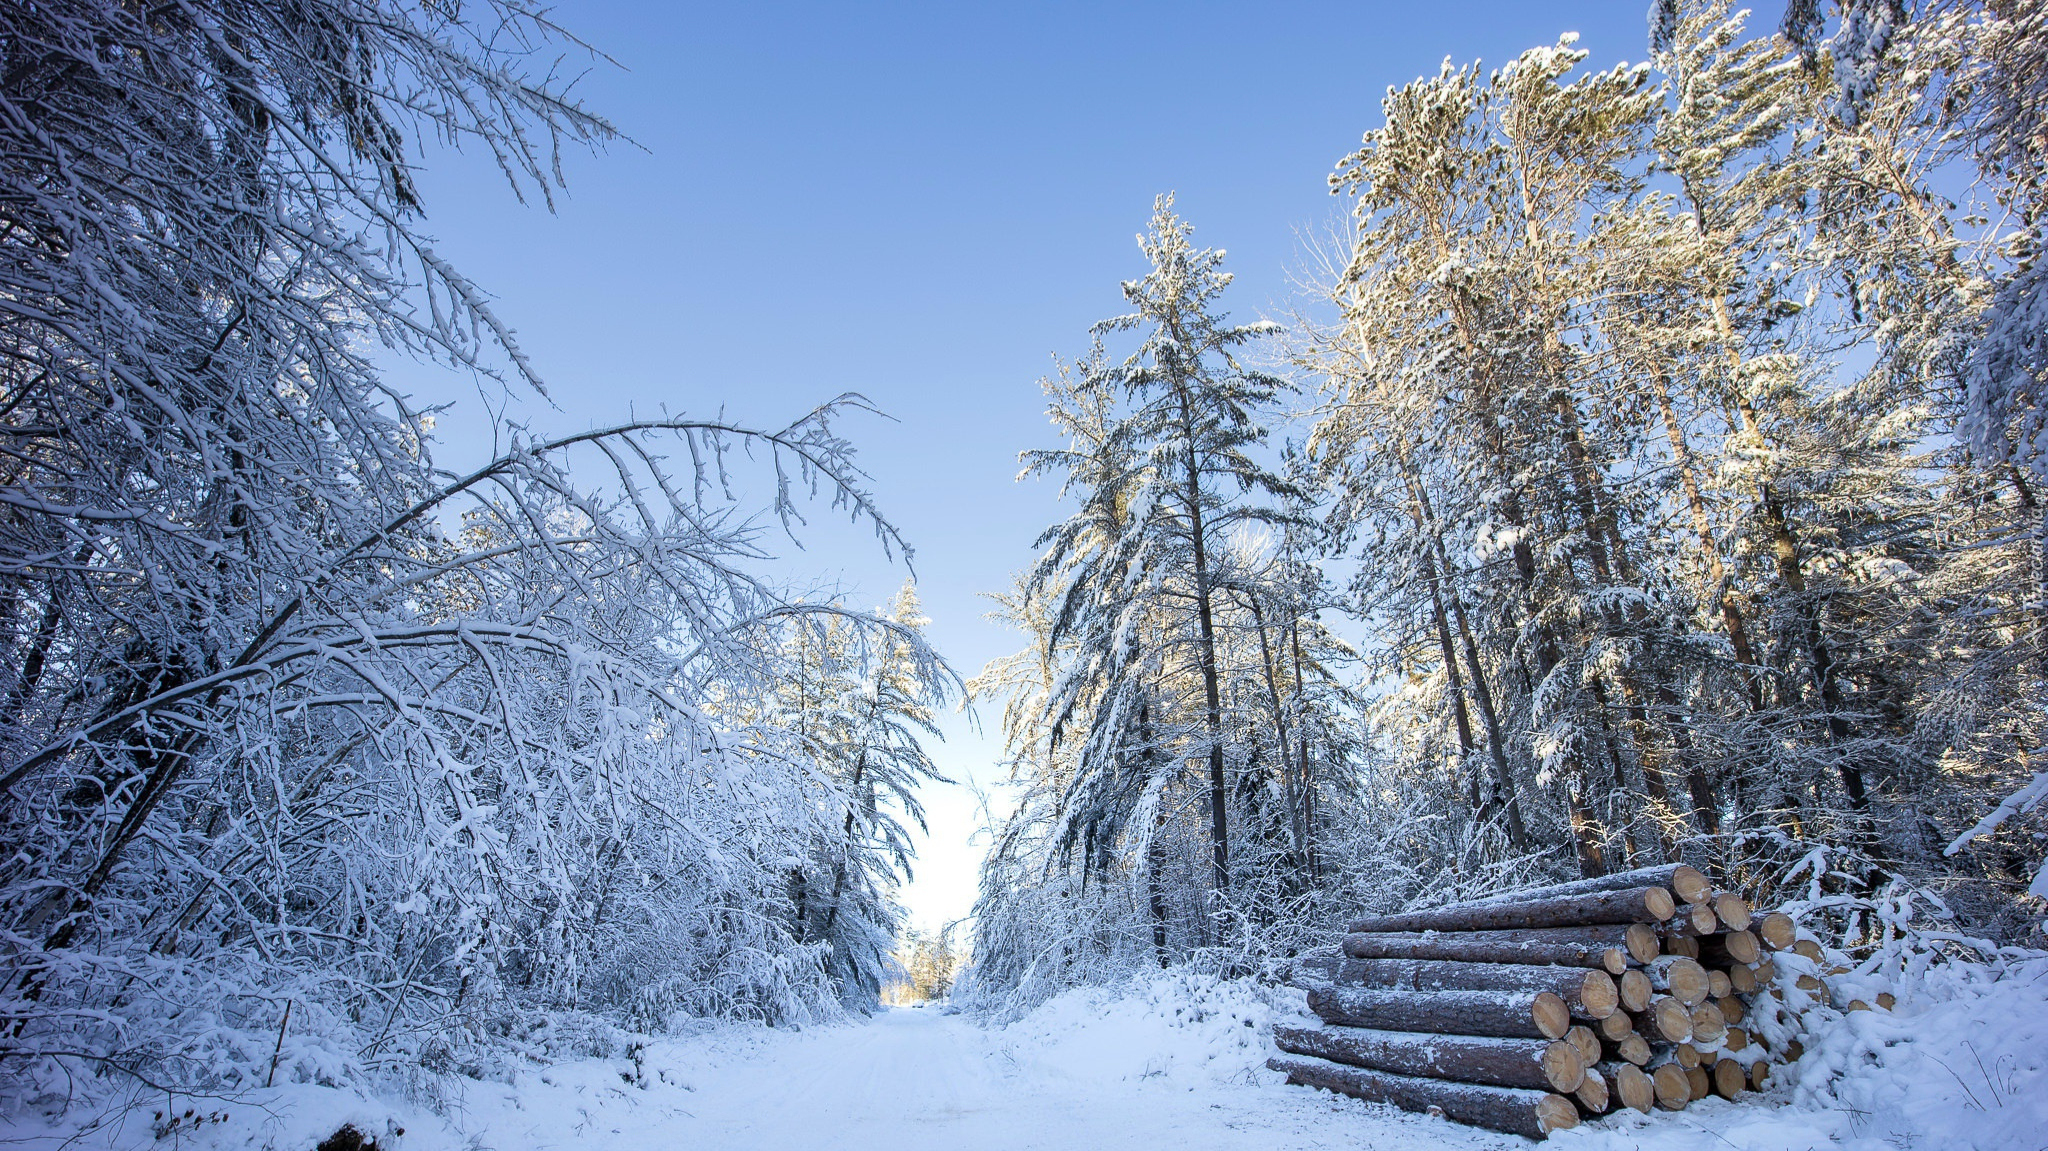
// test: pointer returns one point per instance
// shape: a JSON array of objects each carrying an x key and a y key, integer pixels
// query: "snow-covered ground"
[{"x": 1173, "y": 1063}]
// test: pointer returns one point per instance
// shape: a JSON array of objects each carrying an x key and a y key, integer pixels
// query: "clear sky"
[{"x": 922, "y": 203}]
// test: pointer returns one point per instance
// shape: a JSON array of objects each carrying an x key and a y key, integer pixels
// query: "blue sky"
[{"x": 923, "y": 203}]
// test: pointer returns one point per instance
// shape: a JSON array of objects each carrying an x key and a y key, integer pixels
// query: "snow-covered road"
[
  {"x": 916, "y": 1079},
  {"x": 1170, "y": 1063}
]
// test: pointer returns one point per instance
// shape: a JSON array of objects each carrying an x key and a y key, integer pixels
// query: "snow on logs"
[
  {"x": 1629, "y": 905},
  {"x": 1514, "y": 1110},
  {"x": 1527, "y": 1010},
  {"x": 1506, "y": 1014},
  {"x": 1609, "y": 947},
  {"x": 1538, "y": 1064}
]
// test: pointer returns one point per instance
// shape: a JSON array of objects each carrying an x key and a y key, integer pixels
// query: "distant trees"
[
  {"x": 1166, "y": 703},
  {"x": 927, "y": 963},
  {"x": 861, "y": 718},
  {"x": 305, "y": 741}
]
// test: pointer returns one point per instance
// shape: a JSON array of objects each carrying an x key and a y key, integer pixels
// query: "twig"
[{"x": 279, "y": 1049}]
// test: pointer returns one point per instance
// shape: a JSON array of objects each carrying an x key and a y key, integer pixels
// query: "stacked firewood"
[{"x": 1526, "y": 1011}]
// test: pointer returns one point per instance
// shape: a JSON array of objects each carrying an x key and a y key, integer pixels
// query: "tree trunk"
[
  {"x": 1482, "y": 693},
  {"x": 1790, "y": 572},
  {"x": 1212, "y": 694}
]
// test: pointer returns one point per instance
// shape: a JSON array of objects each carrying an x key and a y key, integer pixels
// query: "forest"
[
  {"x": 1649, "y": 473},
  {"x": 1651, "y": 470}
]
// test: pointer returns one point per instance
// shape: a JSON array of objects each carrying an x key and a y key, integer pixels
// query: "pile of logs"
[{"x": 1526, "y": 1011}]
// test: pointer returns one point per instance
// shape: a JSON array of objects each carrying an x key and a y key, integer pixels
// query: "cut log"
[
  {"x": 1777, "y": 930},
  {"x": 1887, "y": 1000},
  {"x": 1506, "y": 1014},
  {"x": 1701, "y": 1083},
  {"x": 1732, "y": 910},
  {"x": 1630, "y": 905},
  {"x": 1735, "y": 1040},
  {"x": 1730, "y": 1079},
  {"x": 1806, "y": 947},
  {"x": 1671, "y": 1087},
  {"x": 1680, "y": 977},
  {"x": 1695, "y": 919},
  {"x": 1517, "y": 1112},
  {"x": 1617, "y": 1027},
  {"x": 1643, "y": 942},
  {"x": 1592, "y": 1093},
  {"x": 1670, "y": 1020},
  {"x": 1686, "y": 1055},
  {"x": 1553, "y": 1065},
  {"x": 1688, "y": 882},
  {"x": 1452, "y": 975},
  {"x": 1582, "y": 1037},
  {"x": 1634, "y": 1049},
  {"x": 1729, "y": 948},
  {"x": 1732, "y": 1010},
  {"x": 1628, "y": 1085},
  {"x": 1766, "y": 973},
  {"x": 1686, "y": 945},
  {"x": 1708, "y": 1027},
  {"x": 1635, "y": 990},
  {"x": 1760, "y": 1074},
  {"x": 1719, "y": 986},
  {"x": 1487, "y": 947},
  {"x": 1742, "y": 979}
]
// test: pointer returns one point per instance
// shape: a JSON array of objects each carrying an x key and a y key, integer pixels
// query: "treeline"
[
  {"x": 1676, "y": 449},
  {"x": 319, "y": 761}
]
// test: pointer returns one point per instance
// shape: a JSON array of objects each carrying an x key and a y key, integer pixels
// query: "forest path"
[{"x": 916, "y": 1079}]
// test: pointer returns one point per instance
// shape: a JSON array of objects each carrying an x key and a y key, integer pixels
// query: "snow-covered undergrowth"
[
  {"x": 1962, "y": 1062},
  {"x": 1162, "y": 1061}
]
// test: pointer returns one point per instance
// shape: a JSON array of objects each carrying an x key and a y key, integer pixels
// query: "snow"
[
  {"x": 1960, "y": 1065},
  {"x": 1170, "y": 1062}
]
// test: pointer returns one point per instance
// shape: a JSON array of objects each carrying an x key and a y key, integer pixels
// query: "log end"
[
  {"x": 1635, "y": 1049},
  {"x": 1708, "y": 1026},
  {"x": 1563, "y": 1067},
  {"x": 1658, "y": 902},
  {"x": 1635, "y": 990},
  {"x": 1634, "y": 1088},
  {"x": 1599, "y": 995},
  {"x": 1593, "y": 1094},
  {"x": 1777, "y": 930},
  {"x": 1672, "y": 1089},
  {"x": 1671, "y": 1019},
  {"x": 1732, "y": 910},
  {"x": 1742, "y": 978},
  {"x": 1730, "y": 1079},
  {"x": 1691, "y": 884},
  {"x": 1582, "y": 1037},
  {"x": 1553, "y": 1018},
  {"x": 1556, "y": 1113},
  {"x": 1743, "y": 946},
  {"x": 1643, "y": 945}
]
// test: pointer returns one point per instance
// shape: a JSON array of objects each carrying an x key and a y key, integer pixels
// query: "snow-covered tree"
[{"x": 310, "y": 746}]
